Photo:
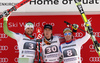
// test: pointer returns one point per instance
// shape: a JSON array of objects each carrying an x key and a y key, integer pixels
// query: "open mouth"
[{"x": 30, "y": 32}]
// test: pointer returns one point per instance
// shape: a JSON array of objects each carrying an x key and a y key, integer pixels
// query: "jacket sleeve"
[{"x": 83, "y": 39}]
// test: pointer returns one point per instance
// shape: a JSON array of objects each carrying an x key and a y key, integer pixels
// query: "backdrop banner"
[
  {"x": 8, "y": 46},
  {"x": 50, "y": 5}
]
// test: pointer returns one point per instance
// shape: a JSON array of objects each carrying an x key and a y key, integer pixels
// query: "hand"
[
  {"x": 7, "y": 14},
  {"x": 61, "y": 58},
  {"x": 75, "y": 27},
  {"x": 87, "y": 25}
]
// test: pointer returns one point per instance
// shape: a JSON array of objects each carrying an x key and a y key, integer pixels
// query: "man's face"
[
  {"x": 68, "y": 35},
  {"x": 29, "y": 31},
  {"x": 47, "y": 33}
]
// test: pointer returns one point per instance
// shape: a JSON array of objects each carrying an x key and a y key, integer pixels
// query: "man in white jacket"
[
  {"x": 26, "y": 42},
  {"x": 71, "y": 48},
  {"x": 50, "y": 46}
]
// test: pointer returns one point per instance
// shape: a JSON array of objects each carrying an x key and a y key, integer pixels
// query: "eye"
[
  {"x": 65, "y": 34},
  {"x": 27, "y": 28},
  {"x": 69, "y": 33}
]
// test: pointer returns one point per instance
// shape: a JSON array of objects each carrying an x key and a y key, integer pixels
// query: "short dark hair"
[{"x": 48, "y": 26}]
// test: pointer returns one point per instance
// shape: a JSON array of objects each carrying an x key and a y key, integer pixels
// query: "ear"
[{"x": 51, "y": 31}]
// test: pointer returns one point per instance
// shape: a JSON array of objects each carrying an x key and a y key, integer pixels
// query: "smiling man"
[
  {"x": 50, "y": 46},
  {"x": 71, "y": 48},
  {"x": 26, "y": 42}
]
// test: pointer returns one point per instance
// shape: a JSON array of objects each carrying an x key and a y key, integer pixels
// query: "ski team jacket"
[
  {"x": 71, "y": 51},
  {"x": 51, "y": 53},
  {"x": 26, "y": 46}
]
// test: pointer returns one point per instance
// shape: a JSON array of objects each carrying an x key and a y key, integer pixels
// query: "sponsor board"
[{"x": 50, "y": 5}]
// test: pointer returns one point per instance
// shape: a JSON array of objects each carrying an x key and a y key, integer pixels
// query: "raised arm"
[{"x": 8, "y": 32}]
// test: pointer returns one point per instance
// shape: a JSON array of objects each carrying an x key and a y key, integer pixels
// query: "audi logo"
[
  {"x": 0, "y": 25},
  {"x": 81, "y": 58},
  {"x": 16, "y": 47},
  {"x": 94, "y": 59},
  {"x": 3, "y": 48},
  {"x": 16, "y": 59},
  {"x": 91, "y": 46},
  {"x": 79, "y": 34},
  {"x": 2, "y": 35},
  {"x": 81, "y": 47},
  {"x": 97, "y": 34},
  {"x": 3, "y": 60}
]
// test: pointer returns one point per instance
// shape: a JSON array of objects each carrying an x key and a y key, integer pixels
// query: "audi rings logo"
[
  {"x": 79, "y": 34},
  {"x": 81, "y": 58},
  {"x": 16, "y": 59},
  {"x": 92, "y": 48},
  {"x": 97, "y": 34},
  {"x": 2, "y": 60},
  {"x": 16, "y": 49},
  {"x": 3, "y": 48},
  {"x": 81, "y": 47},
  {"x": 94, "y": 59},
  {"x": 2, "y": 35},
  {"x": 0, "y": 25}
]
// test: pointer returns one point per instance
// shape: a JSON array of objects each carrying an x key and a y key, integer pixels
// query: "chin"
[
  {"x": 47, "y": 37},
  {"x": 29, "y": 33}
]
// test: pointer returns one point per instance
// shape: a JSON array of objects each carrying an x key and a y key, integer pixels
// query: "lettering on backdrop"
[
  {"x": 16, "y": 59},
  {"x": 16, "y": 49},
  {"x": 3, "y": 48},
  {"x": 57, "y": 2},
  {"x": 43, "y": 23},
  {"x": 4, "y": 60},
  {"x": 50, "y": 2},
  {"x": 78, "y": 34},
  {"x": 94, "y": 59},
  {"x": 91, "y": 47},
  {"x": 44, "y": 2},
  {"x": 2, "y": 36},
  {"x": 17, "y": 24},
  {"x": 81, "y": 58},
  {"x": 97, "y": 34},
  {"x": 7, "y": 4},
  {"x": 21, "y": 24},
  {"x": 1, "y": 25}
]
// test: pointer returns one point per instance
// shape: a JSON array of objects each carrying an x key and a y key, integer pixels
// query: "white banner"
[{"x": 51, "y": 5}]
